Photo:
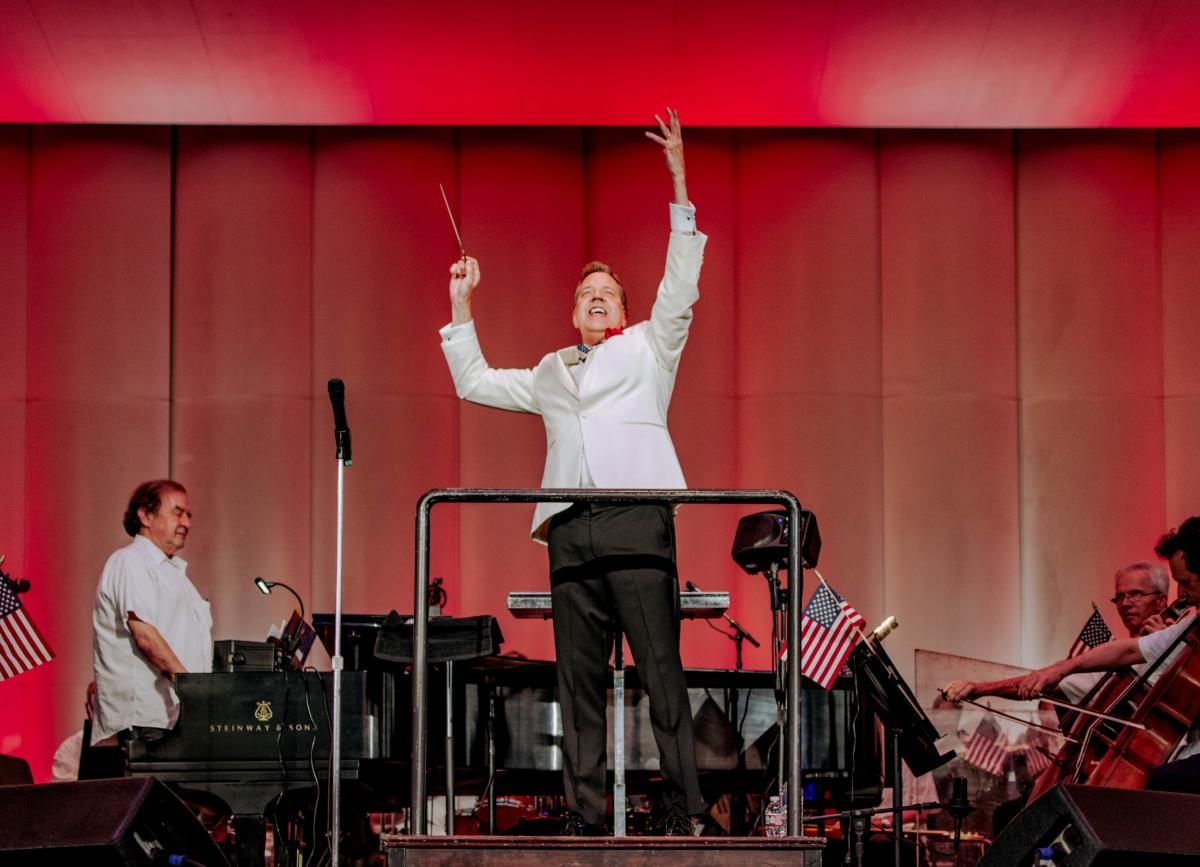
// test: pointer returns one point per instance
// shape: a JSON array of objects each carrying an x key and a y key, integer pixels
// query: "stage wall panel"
[
  {"x": 25, "y": 713},
  {"x": 523, "y": 217},
  {"x": 14, "y": 248},
  {"x": 1179, "y": 210},
  {"x": 98, "y": 369},
  {"x": 808, "y": 317},
  {"x": 1091, "y": 367},
  {"x": 242, "y": 350},
  {"x": 949, "y": 390},
  {"x": 381, "y": 249}
]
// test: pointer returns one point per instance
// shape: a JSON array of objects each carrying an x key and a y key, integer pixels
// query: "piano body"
[{"x": 249, "y": 737}]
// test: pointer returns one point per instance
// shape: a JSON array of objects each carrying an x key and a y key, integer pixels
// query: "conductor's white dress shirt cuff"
[
  {"x": 452, "y": 333},
  {"x": 683, "y": 219}
]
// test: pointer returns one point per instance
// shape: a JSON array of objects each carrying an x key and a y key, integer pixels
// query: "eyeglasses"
[{"x": 1133, "y": 596}]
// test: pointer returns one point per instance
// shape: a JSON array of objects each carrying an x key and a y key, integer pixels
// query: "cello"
[{"x": 1164, "y": 699}]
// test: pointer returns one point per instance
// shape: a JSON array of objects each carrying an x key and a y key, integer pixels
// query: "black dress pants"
[{"x": 617, "y": 563}]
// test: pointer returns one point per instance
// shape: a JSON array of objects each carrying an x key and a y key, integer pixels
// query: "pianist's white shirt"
[{"x": 129, "y": 690}]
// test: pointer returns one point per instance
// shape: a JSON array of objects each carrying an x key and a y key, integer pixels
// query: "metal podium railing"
[{"x": 420, "y": 687}]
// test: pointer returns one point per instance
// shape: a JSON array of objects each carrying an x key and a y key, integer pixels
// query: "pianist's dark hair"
[
  {"x": 148, "y": 496},
  {"x": 1185, "y": 539}
]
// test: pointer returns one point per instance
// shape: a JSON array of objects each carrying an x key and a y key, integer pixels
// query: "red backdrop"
[{"x": 968, "y": 352}]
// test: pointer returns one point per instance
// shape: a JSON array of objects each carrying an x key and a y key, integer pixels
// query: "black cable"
[
  {"x": 283, "y": 774},
  {"x": 854, "y": 730},
  {"x": 745, "y": 712},
  {"x": 327, "y": 854},
  {"x": 312, "y": 762},
  {"x": 732, "y": 636}
]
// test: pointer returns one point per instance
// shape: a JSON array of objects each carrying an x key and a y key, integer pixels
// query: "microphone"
[
  {"x": 959, "y": 807},
  {"x": 341, "y": 428},
  {"x": 736, "y": 626}
]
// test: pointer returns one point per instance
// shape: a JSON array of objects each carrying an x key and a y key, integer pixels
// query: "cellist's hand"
[
  {"x": 1040, "y": 682},
  {"x": 957, "y": 690},
  {"x": 1153, "y": 623}
]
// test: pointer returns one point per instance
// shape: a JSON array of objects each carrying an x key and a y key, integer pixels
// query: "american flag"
[
  {"x": 1036, "y": 747},
  {"x": 988, "y": 749},
  {"x": 21, "y": 645},
  {"x": 1094, "y": 633},
  {"x": 828, "y": 631}
]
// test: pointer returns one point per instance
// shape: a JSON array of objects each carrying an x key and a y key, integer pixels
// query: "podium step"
[{"x": 404, "y": 851}]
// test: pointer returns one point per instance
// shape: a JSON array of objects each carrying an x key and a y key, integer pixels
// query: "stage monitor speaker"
[
  {"x": 1093, "y": 826},
  {"x": 101, "y": 823}
]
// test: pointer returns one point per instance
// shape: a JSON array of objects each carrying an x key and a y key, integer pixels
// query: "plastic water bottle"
[
  {"x": 1045, "y": 857},
  {"x": 775, "y": 816}
]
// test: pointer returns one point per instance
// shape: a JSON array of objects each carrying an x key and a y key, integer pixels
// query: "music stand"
[{"x": 913, "y": 736}]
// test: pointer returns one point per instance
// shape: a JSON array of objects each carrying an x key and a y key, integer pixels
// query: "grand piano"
[{"x": 249, "y": 740}]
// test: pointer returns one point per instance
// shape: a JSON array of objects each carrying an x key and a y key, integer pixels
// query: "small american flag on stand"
[
  {"x": 1094, "y": 633},
  {"x": 21, "y": 644},
  {"x": 1035, "y": 747},
  {"x": 828, "y": 630},
  {"x": 988, "y": 749}
]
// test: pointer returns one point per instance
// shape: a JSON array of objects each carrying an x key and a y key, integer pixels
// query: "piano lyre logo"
[{"x": 262, "y": 713}]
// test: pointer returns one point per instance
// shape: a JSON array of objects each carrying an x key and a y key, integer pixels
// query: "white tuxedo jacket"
[{"x": 615, "y": 422}]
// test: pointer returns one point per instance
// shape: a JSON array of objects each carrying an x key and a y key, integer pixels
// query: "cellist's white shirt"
[
  {"x": 1155, "y": 645},
  {"x": 1075, "y": 687}
]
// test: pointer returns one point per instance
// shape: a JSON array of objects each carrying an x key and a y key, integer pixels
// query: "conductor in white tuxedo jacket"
[{"x": 604, "y": 403}]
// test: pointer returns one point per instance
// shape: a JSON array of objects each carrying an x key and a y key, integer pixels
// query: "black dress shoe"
[
  {"x": 574, "y": 826},
  {"x": 676, "y": 824}
]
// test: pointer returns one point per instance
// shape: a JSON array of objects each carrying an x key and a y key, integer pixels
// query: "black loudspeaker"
[
  {"x": 14, "y": 771},
  {"x": 762, "y": 539},
  {"x": 1093, "y": 825},
  {"x": 105, "y": 823}
]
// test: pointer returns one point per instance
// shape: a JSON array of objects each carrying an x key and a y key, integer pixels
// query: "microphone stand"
[
  {"x": 341, "y": 436},
  {"x": 780, "y": 622}
]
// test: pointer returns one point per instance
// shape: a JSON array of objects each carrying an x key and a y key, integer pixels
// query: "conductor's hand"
[
  {"x": 670, "y": 136},
  {"x": 464, "y": 277},
  {"x": 957, "y": 690},
  {"x": 671, "y": 139}
]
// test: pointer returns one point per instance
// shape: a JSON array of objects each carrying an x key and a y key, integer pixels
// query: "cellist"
[
  {"x": 1140, "y": 594},
  {"x": 1181, "y": 549}
]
